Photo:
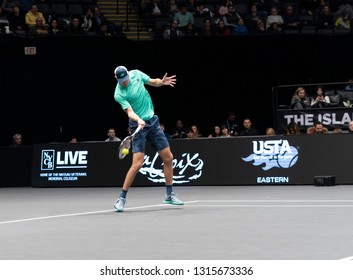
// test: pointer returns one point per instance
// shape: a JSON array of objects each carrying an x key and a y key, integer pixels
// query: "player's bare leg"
[
  {"x": 167, "y": 158},
  {"x": 137, "y": 161}
]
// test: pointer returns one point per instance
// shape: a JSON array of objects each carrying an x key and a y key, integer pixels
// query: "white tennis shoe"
[
  {"x": 119, "y": 205},
  {"x": 172, "y": 199}
]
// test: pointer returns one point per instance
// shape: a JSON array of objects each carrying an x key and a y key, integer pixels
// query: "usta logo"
[{"x": 273, "y": 153}]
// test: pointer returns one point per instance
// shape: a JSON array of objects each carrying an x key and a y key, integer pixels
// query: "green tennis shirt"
[{"x": 135, "y": 95}]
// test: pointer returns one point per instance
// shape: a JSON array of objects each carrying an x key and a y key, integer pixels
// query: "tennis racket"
[{"x": 126, "y": 143}]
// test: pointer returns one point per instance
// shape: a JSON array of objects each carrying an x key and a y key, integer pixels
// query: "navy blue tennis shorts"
[{"x": 151, "y": 133}]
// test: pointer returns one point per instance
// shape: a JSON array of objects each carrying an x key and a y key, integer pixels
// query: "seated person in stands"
[
  {"x": 318, "y": 128},
  {"x": 349, "y": 86},
  {"x": 16, "y": 140},
  {"x": 320, "y": 100},
  {"x": 247, "y": 129},
  {"x": 293, "y": 128},
  {"x": 300, "y": 100}
]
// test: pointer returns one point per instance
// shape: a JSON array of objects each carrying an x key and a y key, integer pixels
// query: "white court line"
[
  {"x": 208, "y": 205},
  {"x": 347, "y": 259},
  {"x": 85, "y": 213}
]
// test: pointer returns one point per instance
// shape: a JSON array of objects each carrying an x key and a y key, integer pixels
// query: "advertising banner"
[
  {"x": 262, "y": 160},
  {"x": 330, "y": 117}
]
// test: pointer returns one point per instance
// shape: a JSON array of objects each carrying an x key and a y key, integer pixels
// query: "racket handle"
[{"x": 138, "y": 129}]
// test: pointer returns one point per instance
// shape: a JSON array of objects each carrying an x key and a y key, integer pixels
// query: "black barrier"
[
  {"x": 283, "y": 160},
  {"x": 15, "y": 166}
]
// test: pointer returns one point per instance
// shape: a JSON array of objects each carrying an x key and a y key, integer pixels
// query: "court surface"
[{"x": 217, "y": 222}]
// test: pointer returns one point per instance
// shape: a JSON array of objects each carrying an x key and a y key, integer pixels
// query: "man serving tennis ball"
[{"x": 135, "y": 100}]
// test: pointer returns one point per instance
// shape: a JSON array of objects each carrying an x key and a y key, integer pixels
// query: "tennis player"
[{"x": 135, "y": 100}]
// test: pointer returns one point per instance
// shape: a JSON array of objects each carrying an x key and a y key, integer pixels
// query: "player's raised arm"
[{"x": 165, "y": 81}]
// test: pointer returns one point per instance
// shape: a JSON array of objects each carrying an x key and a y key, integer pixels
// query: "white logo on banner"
[
  {"x": 51, "y": 160},
  {"x": 273, "y": 153},
  {"x": 185, "y": 170}
]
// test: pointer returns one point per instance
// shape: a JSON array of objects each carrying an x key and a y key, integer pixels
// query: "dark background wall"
[{"x": 67, "y": 87}]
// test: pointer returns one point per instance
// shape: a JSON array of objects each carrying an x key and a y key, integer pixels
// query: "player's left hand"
[{"x": 169, "y": 81}]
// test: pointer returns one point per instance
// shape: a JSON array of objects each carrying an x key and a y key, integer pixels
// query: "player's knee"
[{"x": 168, "y": 159}]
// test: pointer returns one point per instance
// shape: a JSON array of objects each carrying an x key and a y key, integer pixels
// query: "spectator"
[
  {"x": 17, "y": 20},
  {"x": 231, "y": 124},
  {"x": 260, "y": 28},
  {"x": 206, "y": 29},
  {"x": 349, "y": 86},
  {"x": 221, "y": 29},
  {"x": 173, "y": 31},
  {"x": 184, "y": 17},
  {"x": 248, "y": 130},
  {"x": 290, "y": 18},
  {"x": 75, "y": 27},
  {"x": 231, "y": 17},
  {"x": 196, "y": 132},
  {"x": 325, "y": 19},
  {"x": 9, "y": 5},
  {"x": 55, "y": 27},
  {"x": 32, "y": 15},
  {"x": 39, "y": 29},
  {"x": 103, "y": 30},
  {"x": 16, "y": 140},
  {"x": 270, "y": 131},
  {"x": 254, "y": 17},
  {"x": 190, "y": 134},
  {"x": 216, "y": 132},
  {"x": 320, "y": 100},
  {"x": 179, "y": 131},
  {"x": 88, "y": 23},
  {"x": 300, "y": 100},
  {"x": 293, "y": 128},
  {"x": 275, "y": 28},
  {"x": 191, "y": 6},
  {"x": 111, "y": 136},
  {"x": 190, "y": 31},
  {"x": 172, "y": 8},
  {"x": 318, "y": 128},
  {"x": 240, "y": 28},
  {"x": 344, "y": 21},
  {"x": 204, "y": 12},
  {"x": 225, "y": 131},
  {"x": 274, "y": 16},
  {"x": 223, "y": 8},
  {"x": 73, "y": 139},
  {"x": 154, "y": 9},
  {"x": 99, "y": 18}
]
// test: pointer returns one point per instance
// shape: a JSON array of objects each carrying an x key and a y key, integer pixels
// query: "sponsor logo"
[
  {"x": 52, "y": 159},
  {"x": 187, "y": 169},
  {"x": 273, "y": 153},
  {"x": 47, "y": 160}
]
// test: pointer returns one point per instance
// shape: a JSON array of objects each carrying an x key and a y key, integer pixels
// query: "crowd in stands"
[
  {"x": 179, "y": 18},
  {"x": 224, "y": 130},
  {"x": 175, "y": 18},
  {"x": 55, "y": 17}
]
